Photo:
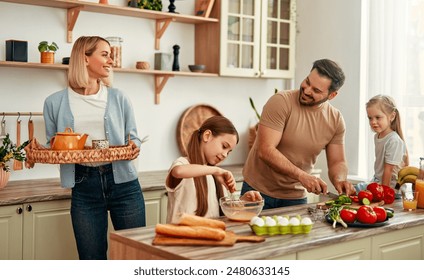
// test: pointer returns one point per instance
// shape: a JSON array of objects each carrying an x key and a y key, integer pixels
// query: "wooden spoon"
[{"x": 18, "y": 165}]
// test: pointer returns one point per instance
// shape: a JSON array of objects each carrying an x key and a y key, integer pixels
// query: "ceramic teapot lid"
[{"x": 68, "y": 132}]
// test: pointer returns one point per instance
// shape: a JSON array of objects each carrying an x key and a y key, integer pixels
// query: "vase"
[
  {"x": 47, "y": 57},
  {"x": 4, "y": 178}
]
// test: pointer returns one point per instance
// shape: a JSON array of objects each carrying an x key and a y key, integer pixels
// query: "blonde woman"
[{"x": 90, "y": 105}]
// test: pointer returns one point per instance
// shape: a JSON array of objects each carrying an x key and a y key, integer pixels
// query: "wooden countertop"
[
  {"x": 137, "y": 243},
  {"x": 26, "y": 191}
]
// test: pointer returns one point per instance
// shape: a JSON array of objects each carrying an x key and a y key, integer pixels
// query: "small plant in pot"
[{"x": 47, "y": 51}]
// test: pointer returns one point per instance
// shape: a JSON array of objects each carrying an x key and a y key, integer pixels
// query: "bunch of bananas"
[{"x": 407, "y": 174}]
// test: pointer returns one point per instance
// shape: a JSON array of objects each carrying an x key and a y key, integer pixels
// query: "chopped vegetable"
[{"x": 334, "y": 214}]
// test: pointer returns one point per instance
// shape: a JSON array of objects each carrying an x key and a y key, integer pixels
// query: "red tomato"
[
  {"x": 366, "y": 215},
  {"x": 377, "y": 191},
  {"x": 348, "y": 215},
  {"x": 389, "y": 194},
  {"x": 381, "y": 213},
  {"x": 365, "y": 194}
]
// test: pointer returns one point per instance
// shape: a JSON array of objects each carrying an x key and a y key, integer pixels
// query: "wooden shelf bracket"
[
  {"x": 73, "y": 14},
  {"x": 161, "y": 26},
  {"x": 160, "y": 81}
]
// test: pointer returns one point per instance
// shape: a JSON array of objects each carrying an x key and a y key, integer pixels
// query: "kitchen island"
[{"x": 401, "y": 238}]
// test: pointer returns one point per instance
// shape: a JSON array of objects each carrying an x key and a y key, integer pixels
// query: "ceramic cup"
[{"x": 100, "y": 144}]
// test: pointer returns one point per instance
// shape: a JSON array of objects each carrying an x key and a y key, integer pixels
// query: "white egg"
[
  {"x": 283, "y": 221},
  {"x": 270, "y": 221},
  {"x": 252, "y": 221},
  {"x": 259, "y": 222},
  {"x": 294, "y": 221},
  {"x": 306, "y": 221}
]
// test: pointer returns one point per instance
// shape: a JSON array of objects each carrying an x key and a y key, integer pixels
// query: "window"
[{"x": 395, "y": 66}]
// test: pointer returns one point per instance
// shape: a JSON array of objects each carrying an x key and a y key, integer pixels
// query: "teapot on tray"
[{"x": 68, "y": 140}]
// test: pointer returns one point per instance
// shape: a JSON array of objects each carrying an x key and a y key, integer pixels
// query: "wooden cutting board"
[
  {"x": 321, "y": 205},
  {"x": 230, "y": 239}
]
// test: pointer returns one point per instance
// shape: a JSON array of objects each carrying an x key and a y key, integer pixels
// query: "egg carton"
[{"x": 279, "y": 229}]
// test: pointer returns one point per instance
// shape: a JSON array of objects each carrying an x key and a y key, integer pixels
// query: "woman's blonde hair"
[
  {"x": 388, "y": 106},
  {"x": 77, "y": 73},
  {"x": 218, "y": 125}
]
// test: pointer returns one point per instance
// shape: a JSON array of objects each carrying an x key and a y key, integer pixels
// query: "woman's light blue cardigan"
[{"x": 119, "y": 122}]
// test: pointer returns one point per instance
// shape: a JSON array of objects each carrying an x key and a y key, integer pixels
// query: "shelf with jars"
[
  {"x": 161, "y": 77},
  {"x": 163, "y": 20},
  {"x": 74, "y": 7}
]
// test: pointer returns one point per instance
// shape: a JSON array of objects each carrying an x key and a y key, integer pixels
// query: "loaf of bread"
[
  {"x": 193, "y": 220},
  {"x": 197, "y": 232}
]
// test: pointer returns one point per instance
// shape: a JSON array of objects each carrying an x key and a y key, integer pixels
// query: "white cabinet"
[
  {"x": 37, "y": 231},
  {"x": 254, "y": 39},
  {"x": 156, "y": 206}
]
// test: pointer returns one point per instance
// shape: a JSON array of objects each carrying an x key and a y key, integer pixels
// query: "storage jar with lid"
[
  {"x": 116, "y": 50},
  {"x": 419, "y": 185}
]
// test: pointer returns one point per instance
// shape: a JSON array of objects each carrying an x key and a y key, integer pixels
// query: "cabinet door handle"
[
  {"x": 29, "y": 208},
  {"x": 19, "y": 210}
]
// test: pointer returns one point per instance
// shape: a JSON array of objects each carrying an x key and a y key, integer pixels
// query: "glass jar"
[
  {"x": 419, "y": 185},
  {"x": 116, "y": 50}
]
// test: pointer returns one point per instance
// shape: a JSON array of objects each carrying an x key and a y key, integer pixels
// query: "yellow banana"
[
  {"x": 410, "y": 178},
  {"x": 407, "y": 170}
]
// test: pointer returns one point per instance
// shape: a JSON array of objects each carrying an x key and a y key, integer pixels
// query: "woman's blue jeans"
[
  {"x": 94, "y": 194},
  {"x": 271, "y": 202}
]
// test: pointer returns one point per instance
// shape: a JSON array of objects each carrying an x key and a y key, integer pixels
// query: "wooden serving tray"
[{"x": 230, "y": 239}]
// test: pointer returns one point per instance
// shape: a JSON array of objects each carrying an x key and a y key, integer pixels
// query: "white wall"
[
  {"x": 23, "y": 89},
  {"x": 327, "y": 28},
  {"x": 331, "y": 29}
]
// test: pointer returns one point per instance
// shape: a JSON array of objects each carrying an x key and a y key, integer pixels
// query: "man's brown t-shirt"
[{"x": 306, "y": 131}]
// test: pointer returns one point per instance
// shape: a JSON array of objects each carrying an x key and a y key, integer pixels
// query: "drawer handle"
[
  {"x": 29, "y": 208},
  {"x": 19, "y": 210}
]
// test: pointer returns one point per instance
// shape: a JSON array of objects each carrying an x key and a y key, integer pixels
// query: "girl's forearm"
[{"x": 193, "y": 170}]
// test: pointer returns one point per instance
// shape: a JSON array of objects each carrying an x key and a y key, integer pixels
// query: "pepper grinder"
[{"x": 176, "y": 65}]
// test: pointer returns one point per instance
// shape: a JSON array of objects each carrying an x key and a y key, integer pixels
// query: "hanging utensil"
[
  {"x": 30, "y": 128},
  {"x": 3, "y": 129},
  {"x": 18, "y": 165}
]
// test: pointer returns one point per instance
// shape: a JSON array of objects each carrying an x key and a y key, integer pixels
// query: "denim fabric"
[
  {"x": 271, "y": 202},
  {"x": 93, "y": 195}
]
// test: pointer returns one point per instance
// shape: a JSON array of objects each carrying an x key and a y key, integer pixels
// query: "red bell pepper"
[{"x": 389, "y": 194}]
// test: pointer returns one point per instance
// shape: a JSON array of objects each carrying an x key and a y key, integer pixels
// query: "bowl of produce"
[
  {"x": 199, "y": 68},
  {"x": 240, "y": 210}
]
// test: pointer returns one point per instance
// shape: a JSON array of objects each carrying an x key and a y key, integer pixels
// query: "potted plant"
[
  {"x": 47, "y": 51},
  {"x": 9, "y": 151}
]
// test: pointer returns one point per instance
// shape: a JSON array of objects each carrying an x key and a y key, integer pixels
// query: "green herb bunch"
[{"x": 9, "y": 151}]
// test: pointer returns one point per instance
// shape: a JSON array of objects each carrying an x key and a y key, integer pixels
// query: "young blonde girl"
[
  {"x": 390, "y": 148},
  {"x": 195, "y": 183}
]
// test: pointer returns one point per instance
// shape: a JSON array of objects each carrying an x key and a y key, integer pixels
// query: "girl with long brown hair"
[{"x": 195, "y": 182}]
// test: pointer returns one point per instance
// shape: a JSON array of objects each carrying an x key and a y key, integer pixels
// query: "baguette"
[
  {"x": 196, "y": 232},
  {"x": 193, "y": 220}
]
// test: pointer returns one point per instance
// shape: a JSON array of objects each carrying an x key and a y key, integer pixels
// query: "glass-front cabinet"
[{"x": 256, "y": 39}]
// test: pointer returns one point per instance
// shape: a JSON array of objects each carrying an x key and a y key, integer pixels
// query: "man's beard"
[{"x": 309, "y": 103}]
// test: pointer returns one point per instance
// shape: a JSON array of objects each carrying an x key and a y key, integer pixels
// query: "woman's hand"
[
  {"x": 251, "y": 196},
  {"x": 136, "y": 150}
]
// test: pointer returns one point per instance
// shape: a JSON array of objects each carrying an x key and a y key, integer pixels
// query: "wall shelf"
[
  {"x": 74, "y": 7},
  {"x": 161, "y": 77}
]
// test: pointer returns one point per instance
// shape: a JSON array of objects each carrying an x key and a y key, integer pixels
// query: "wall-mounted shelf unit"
[
  {"x": 161, "y": 77},
  {"x": 74, "y": 7}
]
